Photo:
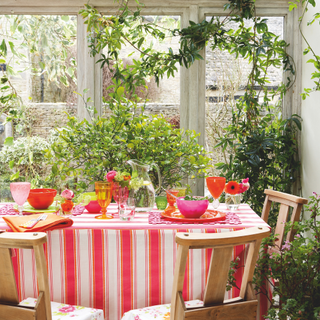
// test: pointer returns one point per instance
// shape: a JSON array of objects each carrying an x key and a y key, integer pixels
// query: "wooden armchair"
[
  {"x": 286, "y": 202},
  {"x": 213, "y": 306},
  {"x": 10, "y": 307}
]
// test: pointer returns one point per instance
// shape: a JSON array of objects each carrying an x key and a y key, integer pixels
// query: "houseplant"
[{"x": 297, "y": 267}]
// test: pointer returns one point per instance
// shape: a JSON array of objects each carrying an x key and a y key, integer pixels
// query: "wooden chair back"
[
  {"x": 286, "y": 202},
  {"x": 9, "y": 300},
  {"x": 245, "y": 306}
]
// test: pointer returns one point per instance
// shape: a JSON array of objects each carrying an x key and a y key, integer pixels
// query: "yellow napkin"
[{"x": 52, "y": 222}]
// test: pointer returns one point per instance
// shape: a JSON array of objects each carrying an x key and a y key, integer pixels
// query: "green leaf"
[
  {"x": 11, "y": 164},
  {"x": 120, "y": 91},
  {"x": 8, "y": 141},
  {"x": 65, "y": 18},
  {"x": 15, "y": 176}
]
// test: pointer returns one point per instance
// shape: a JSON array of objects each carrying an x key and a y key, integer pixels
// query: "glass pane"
[
  {"x": 226, "y": 80},
  {"x": 164, "y": 98}
]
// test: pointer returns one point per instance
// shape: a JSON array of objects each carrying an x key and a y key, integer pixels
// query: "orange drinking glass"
[
  {"x": 171, "y": 200},
  {"x": 104, "y": 195},
  {"x": 216, "y": 187}
]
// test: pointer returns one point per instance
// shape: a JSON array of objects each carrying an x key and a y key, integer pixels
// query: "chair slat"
[
  {"x": 217, "y": 276},
  {"x": 282, "y": 219},
  {"x": 252, "y": 257},
  {"x": 8, "y": 287},
  {"x": 178, "y": 278},
  {"x": 16, "y": 313},
  {"x": 246, "y": 310}
]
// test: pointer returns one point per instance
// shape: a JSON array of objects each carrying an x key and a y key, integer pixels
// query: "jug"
[{"x": 145, "y": 195}]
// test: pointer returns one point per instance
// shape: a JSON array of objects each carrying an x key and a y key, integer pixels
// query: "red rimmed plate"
[{"x": 208, "y": 216}]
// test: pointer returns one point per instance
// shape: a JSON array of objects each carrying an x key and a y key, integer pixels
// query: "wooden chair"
[
  {"x": 10, "y": 307},
  {"x": 213, "y": 306},
  {"x": 286, "y": 202}
]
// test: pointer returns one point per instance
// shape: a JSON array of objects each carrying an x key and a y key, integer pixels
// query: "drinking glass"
[
  {"x": 171, "y": 200},
  {"x": 216, "y": 187},
  {"x": 20, "y": 192},
  {"x": 104, "y": 194},
  {"x": 120, "y": 195},
  {"x": 161, "y": 202},
  {"x": 127, "y": 211}
]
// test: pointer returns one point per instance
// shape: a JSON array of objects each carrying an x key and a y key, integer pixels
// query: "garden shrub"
[
  {"x": 88, "y": 149},
  {"x": 24, "y": 159}
]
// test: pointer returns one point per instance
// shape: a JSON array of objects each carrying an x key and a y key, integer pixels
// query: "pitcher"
[{"x": 145, "y": 195}]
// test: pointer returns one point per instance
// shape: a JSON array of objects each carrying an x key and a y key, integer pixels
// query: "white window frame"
[{"x": 192, "y": 83}]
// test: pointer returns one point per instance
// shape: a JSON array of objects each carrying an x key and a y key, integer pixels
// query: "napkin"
[{"x": 52, "y": 222}]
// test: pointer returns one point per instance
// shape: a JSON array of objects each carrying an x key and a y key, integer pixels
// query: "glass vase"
[
  {"x": 67, "y": 206},
  {"x": 233, "y": 201}
]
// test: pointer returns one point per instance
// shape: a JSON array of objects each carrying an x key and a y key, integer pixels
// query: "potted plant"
[{"x": 297, "y": 267}]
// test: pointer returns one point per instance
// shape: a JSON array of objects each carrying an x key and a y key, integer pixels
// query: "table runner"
[{"x": 117, "y": 265}]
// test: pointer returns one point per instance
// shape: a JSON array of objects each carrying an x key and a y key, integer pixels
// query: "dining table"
[{"x": 118, "y": 265}]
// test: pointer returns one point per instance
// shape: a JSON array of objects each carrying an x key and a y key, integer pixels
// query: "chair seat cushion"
[
  {"x": 156, "y": 312},
  {"x": 66, "y": 311}
]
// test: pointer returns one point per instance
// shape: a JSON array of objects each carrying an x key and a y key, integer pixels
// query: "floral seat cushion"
[
  {"x": 160, "y": 312},
  {"x": 66, "y": 311}
]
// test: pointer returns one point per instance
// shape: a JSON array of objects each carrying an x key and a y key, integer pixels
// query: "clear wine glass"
[{"x": 20, "y": 193}]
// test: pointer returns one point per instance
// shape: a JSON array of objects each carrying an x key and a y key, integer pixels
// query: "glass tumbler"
[{"x": 127, "y": 210}]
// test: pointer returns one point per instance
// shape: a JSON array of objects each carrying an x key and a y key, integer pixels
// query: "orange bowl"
[{"x": 41, "y": 199}]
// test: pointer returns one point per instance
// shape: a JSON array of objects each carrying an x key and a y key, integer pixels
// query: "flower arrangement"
[
  {"x": 233, "y": 187},
  {"x": 234, "y": 191},
  {"x": 124, "y": 179}
]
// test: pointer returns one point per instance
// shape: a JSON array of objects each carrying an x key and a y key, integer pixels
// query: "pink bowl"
[
  {"x": 192, "y": 208},
  {"x": 93, "y": 207}
]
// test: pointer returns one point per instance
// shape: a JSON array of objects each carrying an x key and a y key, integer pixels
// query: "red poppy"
[{"x": 232, "y": 187}]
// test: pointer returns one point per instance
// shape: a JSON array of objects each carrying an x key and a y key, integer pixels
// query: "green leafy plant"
[
  {"x": 88, "y": 149},
  {"x": 297, "y": 267},
  {"x": 25, "y": 159},
  {"x": 266, "y": 153}
]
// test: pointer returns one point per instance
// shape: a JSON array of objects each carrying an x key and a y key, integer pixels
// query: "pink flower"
[
  {"x": 245, "y": 180},
  {"x": 110, "y": 175},
  {"x": 67, "y": 309},
  {"x": 297, "y": 236},
  {"x": 67, "y": 194},
  {"x": 286, "y": 245}
]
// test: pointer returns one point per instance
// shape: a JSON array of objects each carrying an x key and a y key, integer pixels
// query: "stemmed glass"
[
  {"x": 120, "y": 195},
  {"x": 171, "y": 197},
  {"x": 216, "y": 187},
  {"x": 104, "y": 194},
  {"x": 20, "y": 193}
]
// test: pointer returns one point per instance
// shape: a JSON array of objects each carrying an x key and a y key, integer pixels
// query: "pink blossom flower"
[
  {"x": 245, "y": 180},
  {"x": 110, "y": 175},
  {"x": 67, "y": 309},
  {"x": 297, "y": 236},
  {"x": 286, "y": 245},
  {"x": 67, "y": 194}
]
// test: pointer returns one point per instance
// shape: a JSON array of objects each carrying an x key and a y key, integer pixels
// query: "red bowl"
[
  {"x": 93, "y": 207},
  {"x": 41, "y": 199}
]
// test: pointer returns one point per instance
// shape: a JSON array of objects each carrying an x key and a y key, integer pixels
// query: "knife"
[{"x": 31, "y": 223}]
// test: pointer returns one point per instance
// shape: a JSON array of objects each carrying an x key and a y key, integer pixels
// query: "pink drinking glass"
[
  {"x": 120, "y": 195},
  {"x": 20, "y": 193}
]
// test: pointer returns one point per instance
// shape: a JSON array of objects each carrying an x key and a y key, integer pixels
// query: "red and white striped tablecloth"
[{"x": 119, "y": 265}]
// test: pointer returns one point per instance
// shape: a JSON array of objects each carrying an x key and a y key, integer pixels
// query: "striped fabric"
[{"x": 118, "y": 265}]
